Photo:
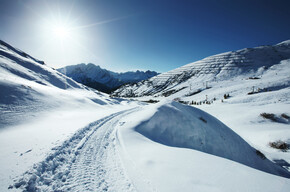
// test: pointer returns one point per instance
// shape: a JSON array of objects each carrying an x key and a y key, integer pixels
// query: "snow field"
[
  {"x": 165, "y": 168},
  {"x": 58, "y": 135}
]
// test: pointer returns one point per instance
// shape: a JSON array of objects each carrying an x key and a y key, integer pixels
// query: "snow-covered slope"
[
  {"x": 171, "y": 155},
  {"x": 28, "y": 85},
  {"x": 101, "y": 79},
  {"x": 237, "y": 88},
  {"x": 58, "y": 135},
  {"x": 249, "y": 62},
  {"x": 39, "y": 108},
  {"x": 111, "y": 155},
  {"x": 202, "y": 132}
]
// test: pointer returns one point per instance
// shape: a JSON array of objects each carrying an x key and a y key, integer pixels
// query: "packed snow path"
[{"x": 89, "y": 161}]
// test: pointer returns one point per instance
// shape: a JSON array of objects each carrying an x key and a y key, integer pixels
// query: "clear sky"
[{"x": 123, "y": 35}]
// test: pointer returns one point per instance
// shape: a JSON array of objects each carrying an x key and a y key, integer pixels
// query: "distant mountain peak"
[{"x": 102, "y": 79}]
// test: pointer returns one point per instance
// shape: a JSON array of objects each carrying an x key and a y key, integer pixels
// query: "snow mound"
[{"x": 183, "y": 126}]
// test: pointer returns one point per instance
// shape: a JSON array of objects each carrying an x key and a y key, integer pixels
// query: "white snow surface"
[
  {"x": 110, "y": 154},
  {"x": 155, "y": 161},
  {"x": 184, "y": 126},
  {"x": 39, "y": 109},
  {"x": 58, "y": 135}
]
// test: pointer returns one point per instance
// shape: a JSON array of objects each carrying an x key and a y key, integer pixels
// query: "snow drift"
[{"x": 183, "y": 126}]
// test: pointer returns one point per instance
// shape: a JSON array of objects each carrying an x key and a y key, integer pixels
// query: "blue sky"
[{"x": 123, "y": 35}]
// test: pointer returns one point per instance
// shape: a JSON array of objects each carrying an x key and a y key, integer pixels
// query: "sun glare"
[
  {"x": 64, "y": 33},
  {"x": 61, "y": 32}
]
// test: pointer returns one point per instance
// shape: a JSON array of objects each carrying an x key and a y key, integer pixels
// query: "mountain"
[
  {"x": 248, "y": 90},
  {"x": 28, "y": 86},
  {"x": 195, "y": 77},
  {"x": 39, "y": 109},
  {"x": 101, "y": 79},
  {"x": 59, "y": 135}
]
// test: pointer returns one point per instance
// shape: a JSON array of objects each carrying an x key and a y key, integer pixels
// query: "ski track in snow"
[{"x": 88, "y": 161}]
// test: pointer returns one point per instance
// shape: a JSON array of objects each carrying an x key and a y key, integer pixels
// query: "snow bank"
[{"x": 183, "y": 126}]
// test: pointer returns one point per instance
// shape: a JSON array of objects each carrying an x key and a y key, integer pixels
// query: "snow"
[
  {"x": 249, "y": 62},
  {"x": 79, "y": 162},
  {"x": 209, "y": 80},
  {"x": 84, "y": 73},
  {"x": 167, "y": 168},
  {"x": 284, "y": 42},
  {"x": 58, "y": 135},
  {"x": 40, "y": 109},
  {"x": 252, "y": 127}
]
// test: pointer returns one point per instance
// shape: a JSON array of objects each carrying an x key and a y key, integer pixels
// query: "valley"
[{"x": 212, "y": 125}]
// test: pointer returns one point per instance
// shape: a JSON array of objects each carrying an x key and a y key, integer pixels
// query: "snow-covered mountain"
[
  {"x": 101, "y": 79},
  {"x": 39, "y": 109},
  {"x": 239, "y": 88},
  {"x": 197, "y": 76},
  {"x": 59, "y": 135},
  {"x": 28, "y": 85}
]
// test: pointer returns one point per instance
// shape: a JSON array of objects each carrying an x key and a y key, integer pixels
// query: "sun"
[{"x": 61, "y": 32}]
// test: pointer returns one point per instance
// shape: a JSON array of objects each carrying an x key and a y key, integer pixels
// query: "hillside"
[
  {"x": 59, "y": 135},
  {"x": 208, "y": 72},
  {"x": 101, "y": 79},
  {"x": 187, "y": 149},
  {"x": 248, "y": 90},
  {"x": 27, "y": 84},
  {"x": 39, "y": 108}
]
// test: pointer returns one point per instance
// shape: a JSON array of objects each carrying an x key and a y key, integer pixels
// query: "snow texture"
[
  {"x": 88, "y": 161},
  {"x": 59, "y": 135}
]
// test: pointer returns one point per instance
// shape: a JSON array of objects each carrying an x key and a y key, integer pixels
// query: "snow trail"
[{"x": 88, "y": 161}]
